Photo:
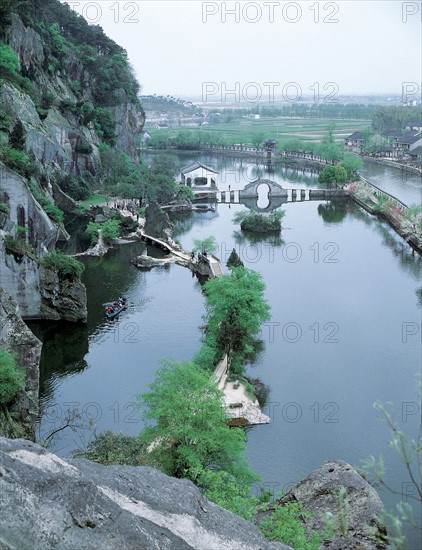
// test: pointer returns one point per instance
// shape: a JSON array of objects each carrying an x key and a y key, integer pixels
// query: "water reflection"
[
  {"x": 333, "y": 211},
  {"x": 272, "y": 239}
]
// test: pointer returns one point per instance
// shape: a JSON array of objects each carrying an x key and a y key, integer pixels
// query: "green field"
[{"x": 282, "y": 129}]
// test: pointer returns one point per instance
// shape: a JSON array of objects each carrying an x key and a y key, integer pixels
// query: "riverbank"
[
  {"x": 384, "y": 205},
  {"x": 393, "y": 164}
]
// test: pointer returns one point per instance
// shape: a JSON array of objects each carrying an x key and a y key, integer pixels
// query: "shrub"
[
  {"x": 109, "y": 229},
  {"x": 115, "y": 448},
  {"x": 52, "y": 211},
  {"x": 105, "y": 126},
  {"x": 17, "y": 245},
  {"x": 68, "y": 106},
  {"x": 4, "y": 209},
  {"x": 77, "y": 188},
  {"x": 17, "y": 161},
  {"x": 285, "y": 525},
  {"x": 258, "y": 222},
  {"x": 17, "y": 136},
  {"x": 185, "y": 192},
  {"x": 12, "y": 380},
  {"x": 84, "y": 148},
  {"x": 411, "y": 224},
  {"x": 65, "y": 266}
]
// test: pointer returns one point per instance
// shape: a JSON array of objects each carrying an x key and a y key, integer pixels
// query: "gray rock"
[
  {"x": 148, "y": 262},
  {"x": 62, "y": 200},
  {"x": 319, "y": 494},
  {"x": 62, "y": 299},
  {"x": 16, "y": 337},
  {"x": 157, "y": 223},
  {"x": 51, "y": 503},
  {"x": 129, "y": 120}
]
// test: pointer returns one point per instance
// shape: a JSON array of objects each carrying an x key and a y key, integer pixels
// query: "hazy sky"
[{"x": 177, "y": 47}]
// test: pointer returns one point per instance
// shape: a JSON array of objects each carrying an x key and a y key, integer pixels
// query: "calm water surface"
[{"x": 341, "y": 285}]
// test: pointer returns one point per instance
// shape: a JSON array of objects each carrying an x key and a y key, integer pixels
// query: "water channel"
[{"x": 345, "y": 296}]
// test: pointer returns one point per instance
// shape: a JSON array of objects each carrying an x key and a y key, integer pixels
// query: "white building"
[{"x": 199, "y": 177}]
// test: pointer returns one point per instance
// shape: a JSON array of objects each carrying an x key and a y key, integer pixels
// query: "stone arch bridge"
[{"x": 274, "y": 195}]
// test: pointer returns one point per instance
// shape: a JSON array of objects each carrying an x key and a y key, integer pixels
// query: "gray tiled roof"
[{"x": 194, "y": 166}]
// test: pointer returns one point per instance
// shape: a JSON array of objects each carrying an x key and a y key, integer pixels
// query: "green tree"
[
  {"x": 205, "y": 245},
  {"x": 235, "y": 309},
  {"x": 333, "y": 174},
  {"x": 258, "y": 138},
  {"x": 166, "y": 165},
  {"x": 352, "y": 164},
  {"x": 234, "y": 260},
  {"x": 190, "y": 434}
]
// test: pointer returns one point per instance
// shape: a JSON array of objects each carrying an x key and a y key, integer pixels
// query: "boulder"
[
  {"x": 148, "y": 262},
  {"x": 62, "y": 298},
  {"x": 157, "y": 223},
  {"x": 319, "y": 494},
  {"x": 48, "y": 502}
]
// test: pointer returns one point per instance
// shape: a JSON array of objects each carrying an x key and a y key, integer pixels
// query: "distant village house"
[{"x": 199, "y": 176}]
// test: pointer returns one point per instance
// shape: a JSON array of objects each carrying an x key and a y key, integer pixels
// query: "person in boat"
[{"x": 110, "y": 309}]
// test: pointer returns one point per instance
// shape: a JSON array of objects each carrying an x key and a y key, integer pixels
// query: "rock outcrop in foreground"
[
  {"x": 319, "y": 494},
  {"x": 77, "y": 504}
]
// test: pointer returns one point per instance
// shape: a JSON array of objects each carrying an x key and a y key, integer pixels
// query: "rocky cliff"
[
  {"x": 38, "y": 292},
  {"x": 51, "y": 503},
  {"x": 58, "y": 126},
  {"x": 16, "y": 337},
  {"x": 61, "y": 99}
]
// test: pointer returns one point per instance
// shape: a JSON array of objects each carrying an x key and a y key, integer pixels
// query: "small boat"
[{"x": 115, "y": 308}]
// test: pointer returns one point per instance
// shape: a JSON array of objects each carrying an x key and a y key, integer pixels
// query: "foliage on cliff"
[
  {"x": 66, "y": 36},
  {"x": 12, "y": 380},
  {"x": 65, "y": 266}
]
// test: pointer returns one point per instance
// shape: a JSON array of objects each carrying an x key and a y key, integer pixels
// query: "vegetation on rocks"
[
  {"x": 252, "y": 220},
  {"x": 12, "y": 379},
  {"x": 53, "y": 211},
  {"x": 17, "y": 244},
  {"x": 65, "y": 266},
  {"x": 110, "y": 230}
]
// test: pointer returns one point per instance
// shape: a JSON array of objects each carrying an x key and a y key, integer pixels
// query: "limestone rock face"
[
  {"x": 25, "y": 210},
  {"x": 16, "y": 337},
  {"x": 129, "y": 120},
  {"x": 319, "y": 494},
  {"x": 51, "y": 503},
  {"x": 62, "y": 299},
  {"x": 158, "y": 223}
]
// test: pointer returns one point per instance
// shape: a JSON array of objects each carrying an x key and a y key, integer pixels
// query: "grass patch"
[{"x": 92, "y": 199}]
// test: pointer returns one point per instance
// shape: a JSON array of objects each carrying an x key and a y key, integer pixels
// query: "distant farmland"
[{"x": 244, "y": 131}]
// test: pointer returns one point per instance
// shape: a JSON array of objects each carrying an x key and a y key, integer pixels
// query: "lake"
[{"x": 345, "y": 331}]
